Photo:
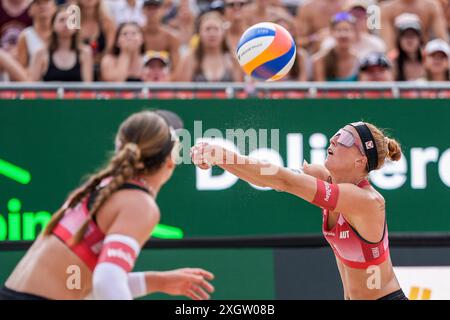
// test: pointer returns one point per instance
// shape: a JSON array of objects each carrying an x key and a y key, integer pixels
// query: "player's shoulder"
[{"x": 136, "y": 204}]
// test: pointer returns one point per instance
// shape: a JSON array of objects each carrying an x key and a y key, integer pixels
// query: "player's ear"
[
  {"x": 170, "y": 162},
  {"x": 361, "y": 162}
]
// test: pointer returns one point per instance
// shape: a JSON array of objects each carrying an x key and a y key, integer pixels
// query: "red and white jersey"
[
  {"x": 352, "y": 249},
  {"x": 90, "y": 247}
]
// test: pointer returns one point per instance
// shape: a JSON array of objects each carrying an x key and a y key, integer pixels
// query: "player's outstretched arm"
[{"x": 343, "y": 197}]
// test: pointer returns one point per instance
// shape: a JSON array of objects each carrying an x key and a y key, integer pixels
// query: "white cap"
[
  {"x": 437, "y": 45},
  {"x": 406, "y": 19}
]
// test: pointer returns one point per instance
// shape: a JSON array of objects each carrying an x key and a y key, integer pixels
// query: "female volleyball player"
[
  {"x": 354, "y": 220},
  {"x": 98, "y": 233}
]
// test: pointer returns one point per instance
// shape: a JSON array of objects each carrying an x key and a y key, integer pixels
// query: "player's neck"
[
  {"x": 153, "y": 183},
  {"x": 344, "y": 178}
]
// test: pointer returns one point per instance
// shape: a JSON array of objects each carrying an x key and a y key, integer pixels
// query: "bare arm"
[
  {"x": 185, "y": 68},
  {"x": 387, "y": 31},
  {"x": 302, "y": 57},
  {"x": 87, "y": 64},
  {"x": 115, "y": 69},
  {"x": 110, "y": 32},
  {"x": 174, "y": 51},
  {"x": 319, "y": 68},
  {"x": 303, "y": 25},
  {"x": 39, "y": 63},
  {"x": 22, "y": 51},
  {"x": 137, "y": 217},
  {"x": 438, "y": 23},
  {"x": 12, "y": 67},
  {"x": 352, "y": 200}
]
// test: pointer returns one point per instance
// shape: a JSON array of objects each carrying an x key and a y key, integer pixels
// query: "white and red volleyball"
[{"x": 266, "y": 51}]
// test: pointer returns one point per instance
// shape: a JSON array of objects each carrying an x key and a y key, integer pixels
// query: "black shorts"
[
  {"x": 8, "y": 294},
  {"x": 396, "y": 295}
]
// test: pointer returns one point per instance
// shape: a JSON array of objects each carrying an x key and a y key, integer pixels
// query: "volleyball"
[{"x": 266, "y": 51}]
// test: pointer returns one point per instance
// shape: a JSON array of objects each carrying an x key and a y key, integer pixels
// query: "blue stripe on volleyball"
[
  {"x": 255, "y": 33},
  {"x": 272, "y": 67}
]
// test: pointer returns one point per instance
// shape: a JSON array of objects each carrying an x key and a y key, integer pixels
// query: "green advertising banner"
[{"x": 47, "y": 147}]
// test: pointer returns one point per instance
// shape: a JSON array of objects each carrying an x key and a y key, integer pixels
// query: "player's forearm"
[{"x": 254, "y": 171}]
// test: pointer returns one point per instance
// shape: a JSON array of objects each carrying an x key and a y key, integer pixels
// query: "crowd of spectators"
[{"x": 196, "y": 40}]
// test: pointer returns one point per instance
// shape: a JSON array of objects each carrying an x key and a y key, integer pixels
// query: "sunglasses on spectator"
[
  {"x": 347, "y": 139},
  {"x": 239, "y": 4}
]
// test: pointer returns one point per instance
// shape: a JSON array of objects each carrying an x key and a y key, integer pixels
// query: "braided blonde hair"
[{"x": 140, "y": 136}]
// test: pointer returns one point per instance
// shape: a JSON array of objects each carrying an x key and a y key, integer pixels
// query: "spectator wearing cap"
[
  {"x": 235, "y": 17},
  {"x": 339, "y": 63},
  {"x": 408, "y": 61},
  {"x": 14, "y": 18},
  {"x": 10, "y": 69},
  {"x": 123, "y": 11},
  {"x": 97, "y": 30},
  {"x": 375, "y": 67},
  {"x": 437, "y": 57},
  {"x": 156, "y": 66},
  {"x": 429, "y": 12},
  {"x": 37, "y": 36},
  {"x": 158, "y": 37},
  {"x": 211, "y": 60},
  {"x": 313, "y": 21},
  {"x": 65, "y": 58},
  {"x": 125, "y": 62}
]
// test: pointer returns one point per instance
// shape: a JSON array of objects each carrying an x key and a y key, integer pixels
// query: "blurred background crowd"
[{"x": 195, "y": 40}]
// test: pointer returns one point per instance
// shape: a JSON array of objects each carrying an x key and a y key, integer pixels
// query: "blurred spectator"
[
  {"x": 429, "y": 12},
  {"x": 13, "y": 19},
  {"x": 183, "y": 23},
  {"x": 365, "y": 42},
  {"x": 65, "y": 59},
  {"x": 263, "y": 11},
  {"x": 156, "y": 67},
  {"x": 158, "y": 37},
  {"x": 123, "y": 11},
  {"x": 211, "y": 60},
  {"x": 97, "y": 30},
  {"x": 313, "y": 21},
  {"x": 125, "y": 62},
  {"x": 340, "y": 63},
  {"x": 408, "y": 62},
  {"x": 237, "y": 24},
  {"x": 299, "y": 70},
  {"x": 37, "y": 36},
  {"x": 10, "y": 69},
  {"x": 375, "y": 67},
  {"x": 446, "y": 9},
  {"x": 292, "y": 5},
  {"x": 437, "y": 57}
]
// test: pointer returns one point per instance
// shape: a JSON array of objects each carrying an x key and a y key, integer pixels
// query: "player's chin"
[{"x": 330, "y": 163}]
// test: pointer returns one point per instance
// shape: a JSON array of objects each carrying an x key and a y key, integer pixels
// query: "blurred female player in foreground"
[
  {"x": 102, "y": 226},
  {"x": 354, "y": 220}
]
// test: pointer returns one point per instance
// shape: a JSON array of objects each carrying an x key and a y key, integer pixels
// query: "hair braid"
[{"x": 124, "y": 166}]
